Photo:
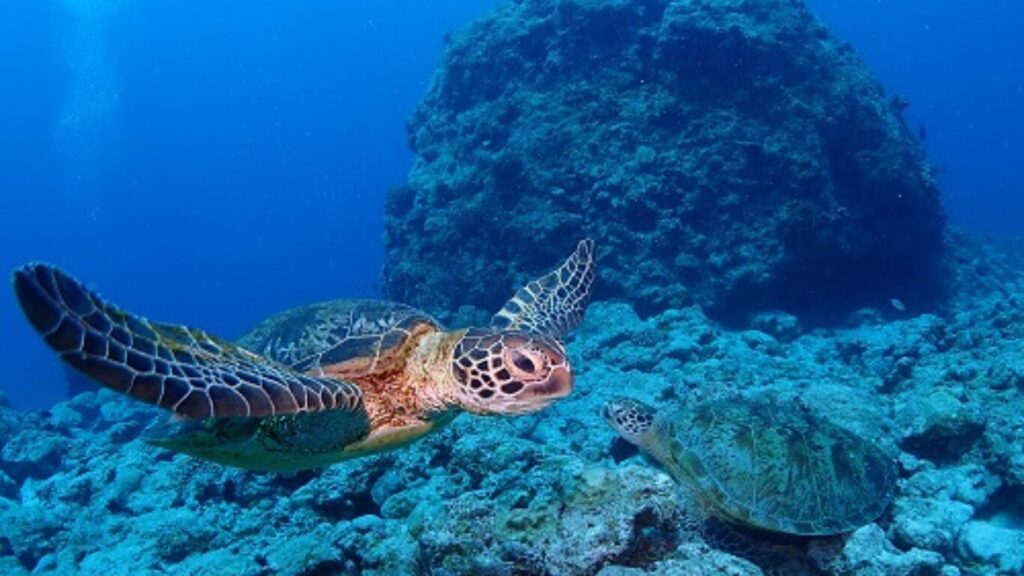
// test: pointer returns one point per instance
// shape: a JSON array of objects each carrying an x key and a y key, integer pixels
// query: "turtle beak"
[
  {"x": 540, "y": 395},
  {"x": 557, "y": 385}
]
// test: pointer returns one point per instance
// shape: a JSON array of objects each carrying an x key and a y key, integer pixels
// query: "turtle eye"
[
  {"x": 510, "y": 372},
  {"x": 523, "y": 362},
  {"x": 527, "y": 362}
]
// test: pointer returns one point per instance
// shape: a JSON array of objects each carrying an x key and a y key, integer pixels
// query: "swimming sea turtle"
[
  {"x": 320, "y": 383},
  {"x": 761, "y": 464}
]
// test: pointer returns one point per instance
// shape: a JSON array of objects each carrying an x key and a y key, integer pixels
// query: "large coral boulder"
[{"x": 728, "y": 153}]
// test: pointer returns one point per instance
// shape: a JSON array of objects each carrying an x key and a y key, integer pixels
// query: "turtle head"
[
  {"x": 633, "y": 420},
  {"x": 509, "y": 371}
]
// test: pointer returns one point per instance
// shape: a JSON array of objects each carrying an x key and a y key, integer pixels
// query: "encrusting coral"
[
  {"x": 554, "y": 493},
  {"x": 728, "y": 154}
]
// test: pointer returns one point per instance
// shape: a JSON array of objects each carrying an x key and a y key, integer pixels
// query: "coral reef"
[
  {"x": 727, "y": 154},
  {"x": 554, "y": 492}
]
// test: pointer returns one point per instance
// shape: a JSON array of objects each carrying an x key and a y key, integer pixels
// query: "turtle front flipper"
[
  {"x": 190, "y": 372},
  {"x": 554, "y": 303}
]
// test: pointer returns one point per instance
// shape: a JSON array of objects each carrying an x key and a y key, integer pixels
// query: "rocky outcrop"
[{"x": 726, "y": 153}]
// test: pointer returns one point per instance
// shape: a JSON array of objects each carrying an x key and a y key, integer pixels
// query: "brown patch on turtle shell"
[{"x": 391, "y": 393}]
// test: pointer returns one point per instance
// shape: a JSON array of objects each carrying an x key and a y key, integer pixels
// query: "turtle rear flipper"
[
  {"x": 554, "y": 303},
  {"x": 190, "y": 372},
  {"x": 277, "y": 443}
]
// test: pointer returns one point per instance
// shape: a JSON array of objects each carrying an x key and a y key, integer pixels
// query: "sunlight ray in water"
[{"x": 86, "y": 129}]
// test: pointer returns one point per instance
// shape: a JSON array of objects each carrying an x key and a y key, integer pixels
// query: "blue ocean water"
[
  {"x": 212, "y": 162},
  {"x": 961, "y": 67},
  {"x": 203, "y": 162}
]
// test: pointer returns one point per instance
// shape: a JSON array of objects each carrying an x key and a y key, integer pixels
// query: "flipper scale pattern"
[
  {"x": 554, "y": 303},
  {"x": 188, "y": 371}
]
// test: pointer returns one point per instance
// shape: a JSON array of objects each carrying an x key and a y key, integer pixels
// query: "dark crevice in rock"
[
  {"x": 653, "y": 538},
  {"x": 1005, "y": 508},
  {"x": 441, "y": 457},
  {"x": 328, "y": 568},
  {"x": 30, "y": 558},
  {"x": 229, "y": 491},
  {"x": 945, "y": 441},
  {"x": 349, "y": 507},
  {"x": 622, "y": 450},
  {"x": 116, "y": 506},
  {"x": 295, "y": 480}
]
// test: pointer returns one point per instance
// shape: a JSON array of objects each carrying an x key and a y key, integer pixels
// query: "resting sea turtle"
[
  {"x": 761, "y": 464},
  {"x": 320, "y": 383}
]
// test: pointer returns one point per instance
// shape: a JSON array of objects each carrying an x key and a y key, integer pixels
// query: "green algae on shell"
[{"x": 762, "y": 464}]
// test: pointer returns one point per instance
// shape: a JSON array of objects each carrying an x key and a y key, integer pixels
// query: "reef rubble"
[{"x": 554, "y": 493}]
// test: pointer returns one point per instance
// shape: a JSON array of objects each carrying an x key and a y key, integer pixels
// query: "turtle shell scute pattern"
[
  {"x": 311, "y": 337},
  {"x": 776, "y": 467}
]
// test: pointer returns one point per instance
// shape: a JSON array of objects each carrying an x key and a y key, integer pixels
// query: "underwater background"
[
  {"x": 211, "y": 163},
  {"x": 205, "y": 118},
  {"x": 123, "y": 118}
]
